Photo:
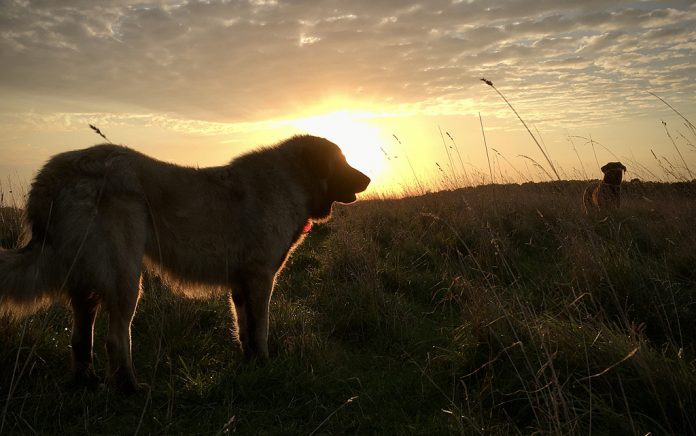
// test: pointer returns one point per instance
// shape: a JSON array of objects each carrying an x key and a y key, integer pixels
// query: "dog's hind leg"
[
  {"x": 118, "y": 341},
  {"x": 119, "y": 278},
  {"x": 252, "y": 313},
  {"x": 84, "y": 309}
]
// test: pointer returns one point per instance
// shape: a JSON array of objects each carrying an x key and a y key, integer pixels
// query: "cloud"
[{"x": 250, "y": 60}]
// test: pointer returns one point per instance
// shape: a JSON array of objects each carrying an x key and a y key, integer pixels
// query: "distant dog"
[
  {"x": 95, "y": 216},
  {"x": 607, "y": 193}
]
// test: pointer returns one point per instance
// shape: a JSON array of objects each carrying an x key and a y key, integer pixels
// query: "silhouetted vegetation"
[{"x": 499, "y": 309}]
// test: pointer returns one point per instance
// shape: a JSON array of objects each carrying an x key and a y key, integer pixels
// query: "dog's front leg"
[{"x": 251, "y": 300}]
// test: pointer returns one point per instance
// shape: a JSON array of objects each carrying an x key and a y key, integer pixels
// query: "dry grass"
[{"x": 442, "y": 313}]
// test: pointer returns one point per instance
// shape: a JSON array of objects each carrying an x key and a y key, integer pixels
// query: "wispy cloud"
[{"x": 244, "y": 61}]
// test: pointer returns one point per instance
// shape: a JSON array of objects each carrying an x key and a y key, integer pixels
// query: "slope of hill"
[{"x": 489, "y": 310}]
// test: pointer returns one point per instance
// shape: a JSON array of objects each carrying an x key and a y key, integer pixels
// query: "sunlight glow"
[{"x": 359, "y": 140}]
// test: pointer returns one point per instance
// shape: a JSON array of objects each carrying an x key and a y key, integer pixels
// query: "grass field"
[{"x": 492, "y": 310}]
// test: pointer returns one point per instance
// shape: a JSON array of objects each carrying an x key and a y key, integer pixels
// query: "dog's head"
[
  {"x": 613, "y": 172},
  {"x": 331, "y": 177}
]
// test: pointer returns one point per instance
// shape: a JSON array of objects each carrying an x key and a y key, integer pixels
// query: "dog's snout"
[
  {"x": 365, "y": 182},
  {"x": 361, "y": 180}
]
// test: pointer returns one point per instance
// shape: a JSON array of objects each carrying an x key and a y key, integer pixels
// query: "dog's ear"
[
  {"x": 319, "y": 159},
  {"x": 606, "y": 167},
  {"x": 622, "y": 167}
]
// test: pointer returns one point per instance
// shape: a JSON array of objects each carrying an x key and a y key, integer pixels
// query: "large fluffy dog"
[
  {"x": 95, "y": 217},
  {"x": 607, "y": 193}
]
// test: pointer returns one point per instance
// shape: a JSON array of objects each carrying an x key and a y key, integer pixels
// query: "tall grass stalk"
[
  {"x": 686, "y": 120},
  {"x": 548, "y": 160},
  {"x": 449, "y": 157},
  {"x": 584, "y": 173},
  {"x": 668, "y": 172},
  {"x": 594, "y": 152},
  {"x": 99, "y": 132},
  {"x": 519, "y": 173},
  {"x": 669, "y": 135},
  {"x": 536, "y": 164},
  {"x": 321, "y": 424},
  {"x": 592, "y": 142},
  {"x": 415, "y": 176},
  {"x": 461, "y": 161},
  {"x": 485, "y": 144},
  {"x": 687, "y": 140}
]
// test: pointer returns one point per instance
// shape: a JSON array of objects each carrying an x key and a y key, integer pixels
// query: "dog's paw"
[
  {"x": 86, "y": 380},
  {"x": 132, "y": 388}
]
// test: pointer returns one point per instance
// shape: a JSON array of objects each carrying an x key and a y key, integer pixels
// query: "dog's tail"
[{"x": 27, "y": 281}]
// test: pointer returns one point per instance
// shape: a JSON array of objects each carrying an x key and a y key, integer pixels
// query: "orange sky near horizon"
[{"x": 396, "y": 85}]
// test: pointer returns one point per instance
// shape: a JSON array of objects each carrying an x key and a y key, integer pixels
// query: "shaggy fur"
[
  {"x": 95, "y": 217},
  {"x": 605, "y": 194}
]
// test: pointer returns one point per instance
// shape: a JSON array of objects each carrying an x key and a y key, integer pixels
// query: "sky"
[{"x": 396, "y": 84}]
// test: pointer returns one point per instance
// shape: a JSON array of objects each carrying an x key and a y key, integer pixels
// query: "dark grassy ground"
[{"x": 490, "y": 310}]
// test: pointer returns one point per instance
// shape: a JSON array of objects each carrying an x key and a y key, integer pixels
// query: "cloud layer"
[{"x": 237, "y": 61}]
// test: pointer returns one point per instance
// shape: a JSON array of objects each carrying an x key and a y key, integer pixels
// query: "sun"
[{"x": 352, "y": 131}]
